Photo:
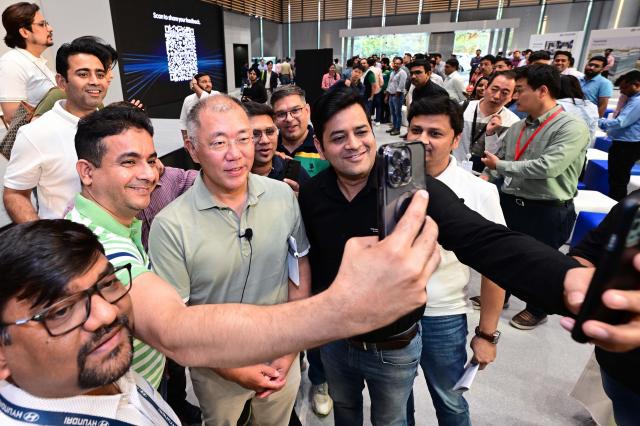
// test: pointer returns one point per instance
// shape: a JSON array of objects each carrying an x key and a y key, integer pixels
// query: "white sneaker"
[{"x": 321, "y": 402}]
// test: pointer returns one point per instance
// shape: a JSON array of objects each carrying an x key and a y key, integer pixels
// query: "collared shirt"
[
  {"x": 23, "y": 77},
  {"x": 447, "y": 287},
  {"x": 437, "y": 79},
  {"x": 596, "y": 88},
  {"x": 122, "y": 245},
  {"x": 574, "y": 72},
  {"x": 195, "y": 244},
  {"x": 626, "y": 126},
  {"x": 456, "y": 87},
  {"x": 44, "y": 157},
  {"x": 331, "y": 220},
  {"x": 397, "y": 82},
  {"x": 476, "y": 144},
  {"x": 549, "y": 167},
  {"x": 306, "y": 154},
  {"x": 127, "y": 406},
  {"x": 173, "y": 183}
]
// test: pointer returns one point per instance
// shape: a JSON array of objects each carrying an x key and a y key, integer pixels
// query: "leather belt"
[
  {"x": 398, "y": 341},
  {"x": 523, "y": 202}
]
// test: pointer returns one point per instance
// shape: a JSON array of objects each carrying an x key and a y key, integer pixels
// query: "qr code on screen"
[{"x": 182, "y": 58}]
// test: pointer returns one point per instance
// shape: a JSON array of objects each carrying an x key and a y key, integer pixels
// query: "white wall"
[{"x": 237, "y": 29}]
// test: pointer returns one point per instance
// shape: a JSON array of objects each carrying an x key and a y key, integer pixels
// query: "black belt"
[
  {"x": 398, "y": 341},
  {"x": 523, "y": 202}
]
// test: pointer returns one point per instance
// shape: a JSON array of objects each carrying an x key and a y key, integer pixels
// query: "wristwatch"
[{"x": 491, "y": 338}]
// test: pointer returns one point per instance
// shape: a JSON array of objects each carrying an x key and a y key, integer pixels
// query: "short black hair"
[
  {"x": 538, "y": 75},
  {"x": 563, "y": 52},
  {"x": 508, "y": 74},
  {"x": 570, "y": 88},
  {"x": 371, "y": 61},
  {"x": 200, "y": 75},
  {"x": 256, "y": 108},
  {"x": 38, "y": 260},
  {"x": 630, "y": 77},
  {"x": 269, "y": 62},
  {"x": 436, "y": 55},
  {"x": 453, "y": 62},
  {"x": 349, "y": 62},
  {"x": 539, "y": 55},
  {"x": 89, "y": 45},
  {"x": 355, "y": 67},
  {"x": 338, "y": 98},
  {"x": 525, "y": 51},
  {"x": 599, "y": 58},
  {"x": 111, "y": 120},
  {"x": 505, "y": 60},
  {"x": 336, "y": 60},
  {"x": 14, "y": 17},
  {"x": 282, "y": 92},
  {"x": 420, "y": 63},
  {"x": 438, "y": 105},
  {"x": 489, "y": 58}
]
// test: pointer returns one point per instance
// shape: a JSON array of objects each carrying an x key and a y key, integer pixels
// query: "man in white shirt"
[
  {"x": 439, "y": 65},
  {"x": 563, "y": 61},
  {"x": 24, "y": 75},
  {"x": 454, "y": 83},
  {"x": 66, "y": 333},
  {"x": 202, "y": 87},
  {"x": 43, "y": 156},
  {"x": 437, "y": 123},
  {"x": 478, "y": 114}
]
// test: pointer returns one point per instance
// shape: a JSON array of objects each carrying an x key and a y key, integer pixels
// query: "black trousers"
[
  {"x": 622, "y": 157},
  {"x": 551, "y": 225}
]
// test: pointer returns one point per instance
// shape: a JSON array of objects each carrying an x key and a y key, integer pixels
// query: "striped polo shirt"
[{"x": 122, "y": 245}]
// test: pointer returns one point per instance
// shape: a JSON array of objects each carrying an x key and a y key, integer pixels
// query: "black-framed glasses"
[
  {"x": 73, "y": 311},
  {"x": 267, "y": 132},
  {"x": 295, "y": 113}
]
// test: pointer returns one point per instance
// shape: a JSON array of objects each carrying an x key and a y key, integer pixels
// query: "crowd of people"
[{"x": 119, "y": 271}]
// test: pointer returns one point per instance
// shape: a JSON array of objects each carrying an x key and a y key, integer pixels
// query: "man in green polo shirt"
[
  {"x": 542, "y": 158},
  {"x": 256, "y": 223},
  {"x": 116, "y": 160}
]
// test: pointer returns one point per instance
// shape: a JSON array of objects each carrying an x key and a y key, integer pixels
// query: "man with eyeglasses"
[
  {"x": 292, "y": 112},
  {"x": 256, "y": 223},
  {"x": 423, "y": 87},
  {"x": 265, "y": 139},
  {"x": 24, "y": 75},
  {"x": 66, "y": 326}
]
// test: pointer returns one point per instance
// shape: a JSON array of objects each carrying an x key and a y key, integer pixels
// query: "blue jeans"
[
  {"x": 395, "y": 104},
  {"x": 316, "y": 369},
  {"x": 389, "y": 375},
  {"x": 444, "y": 355},
  {"x": 625, "y": 401}
]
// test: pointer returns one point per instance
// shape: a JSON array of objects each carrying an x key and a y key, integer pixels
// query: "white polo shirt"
[
  {"x": 137, "y": 404},
  {"x": 189, "y": 102},
  {"x": 447, "y": 287},
  {"x": 44, "y": 157},
  {"x": 23, "y": 77}
]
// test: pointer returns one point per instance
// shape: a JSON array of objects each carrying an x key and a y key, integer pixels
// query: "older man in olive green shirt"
[
  {"x": 542, "y": 157},
  {"x": 234, "y": 237}
]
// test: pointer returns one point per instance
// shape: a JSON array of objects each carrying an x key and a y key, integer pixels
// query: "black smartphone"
[
  {"x": 615, "y": 271},
  {"x": 401, "y": 172},
  {"x": 292, "y": 170}
]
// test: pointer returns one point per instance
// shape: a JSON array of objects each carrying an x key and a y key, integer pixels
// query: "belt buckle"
[{"x": 520, "y": 202}]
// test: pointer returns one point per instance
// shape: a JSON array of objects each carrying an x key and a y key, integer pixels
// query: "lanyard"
[
  {"x": 476, "y": 136},
  {"x": 519, "y": 151},
  {"x": 44, "y": 417}
]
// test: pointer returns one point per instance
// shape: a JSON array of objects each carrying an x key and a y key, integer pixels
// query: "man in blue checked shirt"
[{"x": 624, "y": 131}]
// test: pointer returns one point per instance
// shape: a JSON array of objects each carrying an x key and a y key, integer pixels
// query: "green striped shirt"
[{"x": 122, "y": 245}]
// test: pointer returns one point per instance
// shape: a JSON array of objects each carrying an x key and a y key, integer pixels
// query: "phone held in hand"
[
  {"x": 401, "y": 172},
  {"x": 615, "y": 271},
  {"x": 292, "y": 170}
]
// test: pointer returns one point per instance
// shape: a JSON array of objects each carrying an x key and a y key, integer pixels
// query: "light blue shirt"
[
  {"x": 626, "y": 126},
  {"x": 597, "y": 87}
]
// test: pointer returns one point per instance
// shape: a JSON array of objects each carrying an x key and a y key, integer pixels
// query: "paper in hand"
[{"x": 464, "y": 383}]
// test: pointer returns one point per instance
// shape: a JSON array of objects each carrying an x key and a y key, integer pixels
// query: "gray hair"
[
  {"x": 216, "y": 103},
  {"x": 282, "y": 92}
]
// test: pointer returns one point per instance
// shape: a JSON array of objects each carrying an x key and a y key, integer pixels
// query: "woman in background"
[
  {"x": 573, "y": 101},
  {"x": 330, "y": 78}
]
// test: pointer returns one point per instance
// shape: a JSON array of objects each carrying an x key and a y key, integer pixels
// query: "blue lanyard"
[{"x": 43, "y": 417}]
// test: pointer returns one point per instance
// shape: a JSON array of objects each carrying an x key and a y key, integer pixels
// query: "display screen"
[
  {"x": 390, "y": 44},
  {"x": 162, "y": 45}
]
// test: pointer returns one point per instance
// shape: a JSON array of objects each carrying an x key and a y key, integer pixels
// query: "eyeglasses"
[
  {"x": 268, "y": 132},
  {"x": 295, "y": 113},
  {"x": 73, "y": 311},
  {"x": 224, "y": 144},
  {"x": 42, "y": 24}
]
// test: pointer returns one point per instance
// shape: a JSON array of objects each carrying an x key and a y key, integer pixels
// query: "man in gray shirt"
[{"x": 395, "y": 95}]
